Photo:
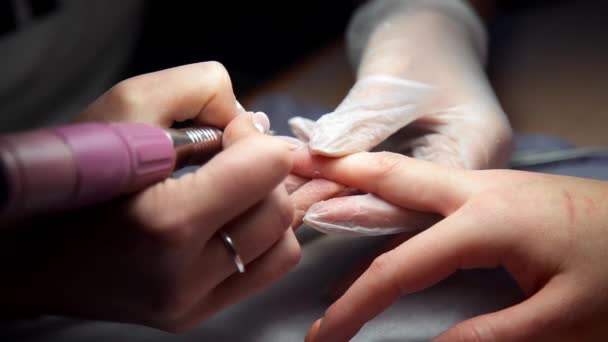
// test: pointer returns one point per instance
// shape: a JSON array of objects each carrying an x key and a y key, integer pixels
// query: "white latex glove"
[{"x": 421, "y": 91}]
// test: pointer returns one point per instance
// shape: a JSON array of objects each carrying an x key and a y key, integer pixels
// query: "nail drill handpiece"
[{"x": 76, "y": 165}]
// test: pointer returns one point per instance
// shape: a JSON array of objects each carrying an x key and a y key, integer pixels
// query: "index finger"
[
  {"x": 404, "y": 181},
  {"x": 201, "y": 92}
]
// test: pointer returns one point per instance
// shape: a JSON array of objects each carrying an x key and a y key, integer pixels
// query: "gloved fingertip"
[
  {"x": 327, "y": 227},
  {"x": 325, "y": 151},
  {"x": 301, "y": 127},
  {"x": 327, "y": 146}
]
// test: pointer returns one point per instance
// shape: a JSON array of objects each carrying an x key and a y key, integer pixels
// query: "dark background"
[{"x": 254, "y": 39}]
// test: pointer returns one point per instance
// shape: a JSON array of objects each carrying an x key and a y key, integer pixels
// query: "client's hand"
[{"x": 549, "y": 232}]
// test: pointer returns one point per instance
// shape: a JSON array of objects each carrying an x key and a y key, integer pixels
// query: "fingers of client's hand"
[
  {"x": 403, "y": 181},
  {"x": 412, "y": 266},
  {"x": 418, "y": 263},
  {"x": 201, "y": 92},
  {"x": 531, "y": 320}
]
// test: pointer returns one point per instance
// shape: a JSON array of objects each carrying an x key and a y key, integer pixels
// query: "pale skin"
[
  {"x": 155, "y": 258},
  {"x": 550, "y": 232}
]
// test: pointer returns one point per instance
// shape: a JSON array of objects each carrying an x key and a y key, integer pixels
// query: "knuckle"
[
  {"x": 336, "y": 313},
  {"x": 125, "y": 96},
  {"x": 277, "y": 212},
  {"x": 216, "y": 73},
  {"x": 387, "y": 162},
  {"x": 230, "y": 135},
  {"x": 281, "y": 158},
  {"x": 271, "y": 153},
  {"x": 169, "y": 227},
  {"x": 493, "y": 203},
  {"x": 285, "y": 210},
  {"x": 382, "y": 264},
  {"x": 382, "y": 270},
  {"x": 170, "y": 230},
  {"x": 293, "y": 255}
]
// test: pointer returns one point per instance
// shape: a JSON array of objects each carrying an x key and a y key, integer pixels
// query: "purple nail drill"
[{"x": 81, "y": 164}]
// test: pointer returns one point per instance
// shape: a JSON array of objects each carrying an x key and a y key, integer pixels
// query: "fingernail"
[
  {"x": 259, "y": 127},
  {"x": 294, "y": 143},
  {"x": 261, "y": 122},
  {"x": 316, "y": 211},
  {"x": 239, "y": 106},
  {"x": 313, "y": 332}
]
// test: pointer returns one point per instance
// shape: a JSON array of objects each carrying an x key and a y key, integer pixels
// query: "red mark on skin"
[
  {"x": 569, "y": 201},
  {"x": 589, "y": 205}
]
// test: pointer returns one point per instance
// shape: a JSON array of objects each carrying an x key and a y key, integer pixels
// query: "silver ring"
[{"x": 240, "y": 266}]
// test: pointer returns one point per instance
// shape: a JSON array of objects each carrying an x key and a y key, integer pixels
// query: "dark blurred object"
[
  {"x": 8, "y": 22},
  {"x": 506, "y": 5},
  {"x": 58, "y": 56},
  {"x": 253, "y": 39}
]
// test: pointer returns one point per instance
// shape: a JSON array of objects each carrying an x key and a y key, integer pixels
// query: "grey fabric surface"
[{"x": 285, "y": 311}]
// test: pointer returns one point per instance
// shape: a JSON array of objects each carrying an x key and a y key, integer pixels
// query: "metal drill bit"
[{"x": 195, "y": 145}]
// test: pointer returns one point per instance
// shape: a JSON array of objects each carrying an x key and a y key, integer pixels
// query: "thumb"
[
  {"x": 245, "y": 125},
  {"x": 201, "y": 92}
]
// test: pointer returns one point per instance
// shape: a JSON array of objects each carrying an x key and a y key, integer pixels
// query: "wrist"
[{"x": 399, "y": 37}]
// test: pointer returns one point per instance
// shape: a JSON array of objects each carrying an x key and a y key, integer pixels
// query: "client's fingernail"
[
  {"x": 293, "y": 142},
  {"x": 261, "y": 122},
  {"x": 313, "y": 332}
]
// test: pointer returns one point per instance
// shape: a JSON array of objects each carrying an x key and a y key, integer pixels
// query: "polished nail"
[
  {"x": 261, "y": 122},
  {"x": 313, "y": 332}
]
